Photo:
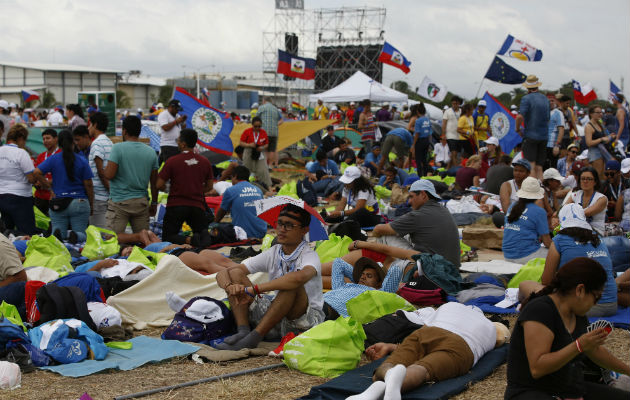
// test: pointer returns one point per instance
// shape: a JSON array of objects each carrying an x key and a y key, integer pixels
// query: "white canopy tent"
[
  {"x": 359, "y": 87},
  {"x": 433, "y": 112}
]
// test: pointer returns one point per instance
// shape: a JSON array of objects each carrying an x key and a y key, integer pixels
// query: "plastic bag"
[
  {"x": 532, "y": 271},
  {"x": 42, "y": 221},
  {"x": 266, "y": 242},
  {"x": 10, "y": 375},
  {"x": 328, "y": 349},
  {"x": 10, "y": 312},
  {"x": 145, "y": 257},
  {"x": 382, "y": 192},
  {"x": 96, "y": 248},
  {"x": 289, "y": 189},
  {"x": 332, "y": 248},
  {"x": 48, "y": 252},
  {"x": 373, "y": 304}
]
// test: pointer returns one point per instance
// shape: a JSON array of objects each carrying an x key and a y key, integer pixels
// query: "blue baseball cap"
[
  {"x": 424, "y": 185},
  {"x": 523, "y": 163},
  {"x": 613, "y": 165}
]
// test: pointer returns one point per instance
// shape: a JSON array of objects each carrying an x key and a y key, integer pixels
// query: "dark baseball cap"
[
  {"x": 523, "y": 163},
  {"x": 176, "y": 103}
]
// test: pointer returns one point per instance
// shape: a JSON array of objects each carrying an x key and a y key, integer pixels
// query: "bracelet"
[
  {"x": 257, "y": 291},
  {"x": 577, "y": 344},
  {"x": 354, "y": 245}
]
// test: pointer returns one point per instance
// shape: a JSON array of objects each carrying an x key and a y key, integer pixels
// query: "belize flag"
[
  {"x": 294, "y": 66},
  {"x": 29, "y": 95},
  {"x": 502, "y": 123},
  {"x": 389, "y": 55},
  {"x": 213, "y": 126},
  {"x": 517, "y": 48}
]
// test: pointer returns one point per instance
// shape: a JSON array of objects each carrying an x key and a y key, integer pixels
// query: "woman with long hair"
[
  {"x": 577, "y": 239},
  {"x": 593, "y": 202},
  {"x": 525, "y": 225},
  {"x": 421, "y": 139},
  {"x": 74, "y": 112},
  {"x": 358, "y": 195},
  {"x": 72, "y": 187},
  {"x": 466, "y": 130},
  {"x": 550, "y": 339},
  {"x": 595, "y": 134}
]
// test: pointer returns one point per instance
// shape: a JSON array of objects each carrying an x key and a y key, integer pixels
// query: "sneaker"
[
  {"x": 279, "y": 351},
  {"x": 57, "y": 234},
  {"x": 72, "y": 237}
]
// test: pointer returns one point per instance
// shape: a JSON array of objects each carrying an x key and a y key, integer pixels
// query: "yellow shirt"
[
  {"x": 467, "y": 124},
  {"x": 320, "y": 112},
  {"x": 481, "y": 122}
]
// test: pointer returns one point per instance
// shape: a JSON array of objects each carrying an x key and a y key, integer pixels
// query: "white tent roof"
[
  {"x": 433, "y": 112},
  {"x": 359, "y": 87}
]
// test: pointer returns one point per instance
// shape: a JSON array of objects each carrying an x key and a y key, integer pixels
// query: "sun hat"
[
  {"x": 613, "y": 165},
  {"x": 523, "y": 163},
  {"x": 4, "y": 104},
  {"x": 492, "y": 140},
  {"x": 363, "y": 263},
  {"x": 572, "y": 146},
  {"x": 531, "y": 189},
  {"x": 350, "y": 174},
  {"x": 482, "y": 103},
  {"x": 625, "y": 165},
  {"x": 424, "y": 185},
  {"x": 572, "y": 216},
  {"x": 552, "y": 173},
  {"x": 532, "y": 82}
]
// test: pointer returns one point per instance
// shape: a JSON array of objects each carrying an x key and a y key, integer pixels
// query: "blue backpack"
[{"x": 186, "y": 329}]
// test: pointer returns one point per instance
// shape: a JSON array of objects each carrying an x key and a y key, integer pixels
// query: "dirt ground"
[{"x": 277, "y": 384}]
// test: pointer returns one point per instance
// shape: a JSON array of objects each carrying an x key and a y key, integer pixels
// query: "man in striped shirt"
[{"x": 99, "y": 155}]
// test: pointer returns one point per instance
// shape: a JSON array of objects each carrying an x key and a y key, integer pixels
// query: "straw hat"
[
  {"x": 531, "y": 189},
  {"x": 532, "y": 82},
  {"x": 363, "y": 263}
]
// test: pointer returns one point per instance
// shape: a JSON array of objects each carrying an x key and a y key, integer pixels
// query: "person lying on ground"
[
  {"x": 430, "y": 226},
  {"x": 366, "y": 274},
  {"x": 454, "y": 337},
  {"x": 358, "y": 194},
  {"x": 388, "y": 256},
  {"x": 294, "y": 274},
  {"x": 576, "y": 239},
  {"x": 550, "y": 339},
  {"x": 324, "y": 174}
]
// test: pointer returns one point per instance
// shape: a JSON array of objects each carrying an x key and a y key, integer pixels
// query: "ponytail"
[
  {"x": 66, "y": 144},
  {"x": 518, "y": 208}
]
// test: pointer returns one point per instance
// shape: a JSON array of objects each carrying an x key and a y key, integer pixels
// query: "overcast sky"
[{"x": 453, "y": 42}]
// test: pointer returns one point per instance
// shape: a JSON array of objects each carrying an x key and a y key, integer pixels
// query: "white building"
[{"x": 142, "y": 90}]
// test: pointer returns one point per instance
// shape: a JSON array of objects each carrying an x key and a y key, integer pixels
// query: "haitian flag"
[
  {"x": 516, "y": 48},
  {"x": 29, "y": 95},
  {"x": 502, "y": 123},
  {"x": 389, "y": 55},
  {"x": 294, "y": 66},
  {"x": 213, "y": 126},
  {"x": 583, "y": 94}
]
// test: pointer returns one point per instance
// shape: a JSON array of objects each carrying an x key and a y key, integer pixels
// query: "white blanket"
[
  {"x": 494, "y": 266},
  {"x": 144, "y": 304}
]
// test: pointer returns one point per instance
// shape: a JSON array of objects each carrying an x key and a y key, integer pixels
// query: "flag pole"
[{"x": 481, "y": 83}]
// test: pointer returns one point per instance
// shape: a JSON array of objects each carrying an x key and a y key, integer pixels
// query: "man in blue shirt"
[
  {"x": 372, "y": 159},
  {"x": 238, "y": 201},
  {"x": 324, "y": 174},
  {"x": 534, "y": 112},
  {"x": 556, "y": 133},
  {"x": 400, "y": 140}
]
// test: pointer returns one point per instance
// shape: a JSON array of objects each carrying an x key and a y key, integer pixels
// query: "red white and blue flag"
[
  {"x": 29, "y": 95},
  {"x": 213, "y": 126},
  {"x": 294, "y": 66},
  {"x": 583, "y": 94},
  {"x": 517, "y": 48},
  {"x": 390, "y": 55}
]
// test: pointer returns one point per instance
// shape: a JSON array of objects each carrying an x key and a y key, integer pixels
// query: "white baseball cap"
[
  {"x": 350, "y": 174},
  {"x": 552, "y": 173},
  {"x": 583, "y": 155},
  {"x": 423, "y": 185},
  {"x": 492, "y": 140},
  {"x": 482, "y": 103},
  {"x": 4, "y": 104},
  {"x": 531, "y": 189},
  {"x": 572, "y": 216},
  {"x": 625, "y": 165}
]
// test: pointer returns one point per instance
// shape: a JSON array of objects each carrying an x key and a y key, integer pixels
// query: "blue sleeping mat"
[
  {"x": 619, "y": 320},
  {"x": 486, "y": 304},
  {"x": 357, "y": 380}
]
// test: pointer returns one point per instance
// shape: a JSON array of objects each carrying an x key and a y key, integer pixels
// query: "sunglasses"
[
  {"x": 610, "y": 173},
  {"x": 573, "y": 152}
]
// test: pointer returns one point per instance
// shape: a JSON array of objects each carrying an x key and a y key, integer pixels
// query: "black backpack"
[
  {"x": 350, "y": 228},
  {"x": 306, "y": 192},
  {"x": 60, "y": 302},
  {"x": 186, "y": 329}
]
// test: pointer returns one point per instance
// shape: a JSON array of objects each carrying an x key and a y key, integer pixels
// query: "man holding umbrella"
[{"x": 294, "y": 275}]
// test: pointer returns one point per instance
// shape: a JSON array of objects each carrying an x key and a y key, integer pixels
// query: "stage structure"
[{"x": 342, "y": 40}]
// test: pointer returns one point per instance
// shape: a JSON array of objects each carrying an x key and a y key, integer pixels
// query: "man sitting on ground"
[
  {"x": 294, "y": 273},
  {"x": 324, "y": 174},
  {"x": 430, "y": 226},
  {"x": 12, "y": 275}
]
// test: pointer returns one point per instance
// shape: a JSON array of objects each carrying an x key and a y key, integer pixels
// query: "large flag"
[
  {"x": 583, "y": 94},
  {"x": 297, "y": 67},
  {"x": 389, "y": 55},
  {"x": 516, "y": 48},
  {"x": 29, "y": 95},
  {"x": 297, "y": 106},
  {"x": 501, "y": 72},
  {"x": 502, "y": 123},
  {"x": 213, "y": 126},
  {"x": 429, "y": 89}
]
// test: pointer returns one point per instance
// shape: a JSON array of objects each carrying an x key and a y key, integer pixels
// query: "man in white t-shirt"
[
  {"x": 171, "y": 124},
  {"x": 295, "y": 277},
  {"x": 55, "y": 118},
  {"x": 449, "y": 127}
]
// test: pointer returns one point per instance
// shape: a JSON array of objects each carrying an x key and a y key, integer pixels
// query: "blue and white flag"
[
  {"x": 517, "y": 48},
  {"x": 502, "y": 123},
  {"x": 213, "y": 126}
]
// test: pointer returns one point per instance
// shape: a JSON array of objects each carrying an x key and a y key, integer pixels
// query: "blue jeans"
[
  {"x": 76, "y": 215},
  {"x": 17, "y": 213},
  {"x": 326, "y": 187}
]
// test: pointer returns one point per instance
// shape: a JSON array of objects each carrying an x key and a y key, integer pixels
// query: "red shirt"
[
  {"x": 41, "y": 193},
  {"x": 188, "y": 173},
  {"x": 249, "y": 136},
  {"x": 350, "y": 115}
]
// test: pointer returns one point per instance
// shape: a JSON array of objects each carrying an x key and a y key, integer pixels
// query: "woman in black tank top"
[{"x": 594, "y": 134}]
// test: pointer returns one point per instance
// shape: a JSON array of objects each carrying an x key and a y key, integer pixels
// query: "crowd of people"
[{"x": 556, "y": 196}]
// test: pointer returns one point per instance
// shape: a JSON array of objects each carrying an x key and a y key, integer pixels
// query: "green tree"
[
  {"x": 122, "y": 99},
  {"x": 47, "y": 100},
  {"x": 165, "y": 95}
]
